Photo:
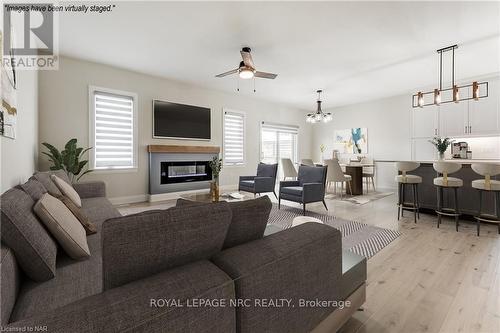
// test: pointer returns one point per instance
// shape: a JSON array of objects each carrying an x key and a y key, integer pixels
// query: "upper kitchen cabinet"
[
  {"x": 425, "y": 122},
  {"x": 453, "y": 116},
  {"x": 483, "y": 116}
]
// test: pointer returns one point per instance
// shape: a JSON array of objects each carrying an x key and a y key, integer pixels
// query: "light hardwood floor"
[{"x": 428, "y": 280}]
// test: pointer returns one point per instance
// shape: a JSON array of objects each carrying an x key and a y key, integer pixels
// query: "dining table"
[{"x": 355, "y": 170}]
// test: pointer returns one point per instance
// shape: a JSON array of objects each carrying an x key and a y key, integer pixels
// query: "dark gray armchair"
[
  {"x": 262, "y": 183},
  {"x": 309, "y": 187}
]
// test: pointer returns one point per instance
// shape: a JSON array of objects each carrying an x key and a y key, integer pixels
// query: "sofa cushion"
[
  {"x": 34, "y": 188},
  {"x": 248, "y": 222},
  {"x": 140, "y": 306},
  {"x": 10, "y": 281},
  {"x": 293, "y": 190},
  {"x": 44, "y": 178},
  {"x": 34, "y": 248},
  {"x": 63, "y": 225},
  {"x": 67, "y": 190},
  {"x": 89, "y": 227},
  {"x": 74, "y": 280}
]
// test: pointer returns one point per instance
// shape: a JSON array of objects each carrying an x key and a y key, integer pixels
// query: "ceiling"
[{"x": 354, "y": 51}]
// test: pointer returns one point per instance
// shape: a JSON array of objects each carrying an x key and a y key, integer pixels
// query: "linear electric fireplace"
[{"x": 185, "y": 171}]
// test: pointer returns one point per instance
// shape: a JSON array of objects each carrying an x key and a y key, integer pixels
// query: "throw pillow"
[
  {"x": 249, "y": 219},
  {"x": 89, "y": 227},
  {"x": 63, "y": 225},
  {"x": 34, "y": 248},
  {"x": 34, "y": 188},
  {"x": 67, "y": 190},
  {"x": 44, "y": 178}
]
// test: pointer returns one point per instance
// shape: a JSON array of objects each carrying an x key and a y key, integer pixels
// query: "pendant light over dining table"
[
  {"x": 319, "y": 116},
  {"x": 454, "y": 93}
]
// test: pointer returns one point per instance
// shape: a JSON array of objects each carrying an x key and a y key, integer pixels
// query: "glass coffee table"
[{"x": 207, "y": 197}]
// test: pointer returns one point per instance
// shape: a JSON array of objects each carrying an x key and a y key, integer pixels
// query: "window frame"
[
  {"x": 135, "y": 130},
  {"x": 264, "y": 124},
  {"x": 244, "y": 116}
]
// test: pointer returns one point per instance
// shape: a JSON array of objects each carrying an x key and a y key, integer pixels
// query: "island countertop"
[{"x": 455, "y": 160}]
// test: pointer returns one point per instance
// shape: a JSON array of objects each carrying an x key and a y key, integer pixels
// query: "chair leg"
[
  {"x": 403, "y": 188},
  {"x": 497, "y": 208},
  {"x": 414, "y": 188},
  {"x": 324, "y": 204},
  {"x": 279, "y": 202},
  {"x": 274, "y": 192},
  {"x": 341, "y": 190},
  {"x": 479, "y": 213},
  {"x": 440, "y": 203},
  {"x": 304, "y": 209},
  {"x": 418, "y": 202},
  {"x": 456, "y": 209},
  {"x": 350, "y": 186},
  {"x": 373, "y": 183},
  {"x": 399, "y": 200}
]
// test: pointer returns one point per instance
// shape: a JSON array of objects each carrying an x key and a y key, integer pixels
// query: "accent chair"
[
  {"x": 309, "y": 187},
  {"x": 264, "y": 182}
]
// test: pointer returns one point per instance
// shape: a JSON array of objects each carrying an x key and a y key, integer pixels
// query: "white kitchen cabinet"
[
  {"x": 425, "y": 122},
  {"x": 453, "y": 119},
  {"x": 423, "y": 150},
  {"x": 483, "y": 116}
]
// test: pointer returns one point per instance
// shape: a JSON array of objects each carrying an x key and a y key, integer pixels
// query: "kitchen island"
[{"x": 468, "y": 197}]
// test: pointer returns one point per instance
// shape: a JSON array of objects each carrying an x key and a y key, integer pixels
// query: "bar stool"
[
  {"x": 487, "y": 185},
  {"x": 404, "y": 180},
  {"x": 445, "y": 182}
]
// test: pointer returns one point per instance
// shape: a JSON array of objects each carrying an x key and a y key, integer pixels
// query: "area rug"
[
  {"x": 360, "y": 199},
  {"x": 360, "y": 238}
]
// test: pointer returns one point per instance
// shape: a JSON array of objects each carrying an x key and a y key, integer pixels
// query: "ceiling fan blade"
[
  {"x": 247, "y": 59},
  {"x": 265, "y": 75},
  {"x": 232, "y": 71}
]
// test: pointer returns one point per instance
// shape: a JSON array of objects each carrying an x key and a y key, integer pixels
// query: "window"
[
  {"x": 234, "y": 138},
  {"x": 113, "y": 129},
  {"x": 277, "y": 142}
]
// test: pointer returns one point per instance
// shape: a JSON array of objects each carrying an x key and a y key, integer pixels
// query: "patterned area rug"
[
  {"x": 360, "y": 199},
  {"x": 360, "y": 238}
]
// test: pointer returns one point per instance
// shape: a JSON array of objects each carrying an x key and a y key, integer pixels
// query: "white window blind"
[
  {"x": 234, "y": 138},
  {"x": 113, "y": 125}
]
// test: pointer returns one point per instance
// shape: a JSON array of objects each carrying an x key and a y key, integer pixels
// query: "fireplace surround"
[{"x": 179, "y": 168}]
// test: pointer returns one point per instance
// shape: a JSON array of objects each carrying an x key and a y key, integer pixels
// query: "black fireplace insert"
[{"x": 182, "y": 172}]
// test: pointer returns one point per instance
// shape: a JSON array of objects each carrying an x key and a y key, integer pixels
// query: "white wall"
[
  {"x": 388, "y": 123},
  {"x": 64, "y": 114},
  {"x": 19, "y": 157}
]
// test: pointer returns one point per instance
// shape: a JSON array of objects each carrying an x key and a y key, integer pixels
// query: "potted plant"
[
  {"x": 216, "y": 166},
  {"x": 69, "y": 160},
  {"x": 441, "y": 145}
]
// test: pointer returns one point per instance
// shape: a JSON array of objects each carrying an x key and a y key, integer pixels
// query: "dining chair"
[
  {"x": 307, "y": 161},
  {"x": 368, "y": 173},
  {"x": 289, "y": 170},
  {"x": 335, "y": 175}
]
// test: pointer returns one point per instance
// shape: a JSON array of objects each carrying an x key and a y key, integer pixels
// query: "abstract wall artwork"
[
  {"x": 8, "y": 97},
  {"x": 351, "y": 141}
]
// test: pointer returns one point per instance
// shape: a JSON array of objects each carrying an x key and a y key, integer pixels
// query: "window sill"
[{"x": 110, "y": 171}]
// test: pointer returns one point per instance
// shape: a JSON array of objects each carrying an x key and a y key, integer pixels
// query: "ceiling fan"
[{"x": 246, "y": 69}]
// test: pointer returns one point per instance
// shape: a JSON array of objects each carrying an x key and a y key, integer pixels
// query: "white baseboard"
[
  {"x": 177, "y": 195},
  {"x": 129, "y": 199}
]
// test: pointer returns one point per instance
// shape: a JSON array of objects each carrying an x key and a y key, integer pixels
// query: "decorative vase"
[
  {"x": 441, "y": 156},
  {"x": 214, "y": 190}
]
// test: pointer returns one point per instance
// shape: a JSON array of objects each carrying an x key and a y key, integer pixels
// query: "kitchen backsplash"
[{"x": 483, "y": 148}]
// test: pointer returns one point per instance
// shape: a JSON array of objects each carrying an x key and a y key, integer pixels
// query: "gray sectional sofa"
[{"x": 175, "y": 270}]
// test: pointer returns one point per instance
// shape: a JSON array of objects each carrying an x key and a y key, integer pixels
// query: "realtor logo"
[{"x": 29, "y": 40}]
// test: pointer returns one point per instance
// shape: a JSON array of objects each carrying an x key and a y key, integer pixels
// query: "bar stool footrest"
[
  {"x": 487, "y": 218},
  {"x": 448, "y": 212}
]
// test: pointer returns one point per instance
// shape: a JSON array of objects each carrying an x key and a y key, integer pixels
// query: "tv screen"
[{"x": 172, "y": 120}]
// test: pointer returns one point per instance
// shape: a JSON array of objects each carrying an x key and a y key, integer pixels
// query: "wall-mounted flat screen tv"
[{"x": 180, "y": 121}]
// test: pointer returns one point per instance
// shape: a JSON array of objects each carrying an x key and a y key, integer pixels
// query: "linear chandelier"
[
  {"x": 455, "y": 93},
  {"x": 319, "y": 116}
]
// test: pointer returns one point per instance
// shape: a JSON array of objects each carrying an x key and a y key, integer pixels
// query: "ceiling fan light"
[
  {"x": 437, "y": 96},
  {"x": 246, "y": 73}
]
